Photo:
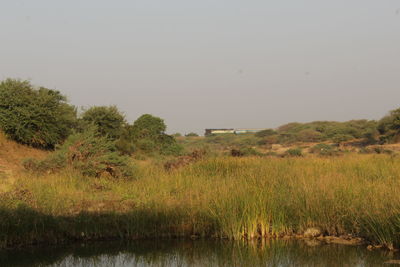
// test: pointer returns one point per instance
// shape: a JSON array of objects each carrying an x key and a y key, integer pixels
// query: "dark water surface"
[{"x": 198, "y": 253}]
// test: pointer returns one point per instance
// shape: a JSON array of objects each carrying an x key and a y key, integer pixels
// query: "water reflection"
[{"x": 197, "y": 253}]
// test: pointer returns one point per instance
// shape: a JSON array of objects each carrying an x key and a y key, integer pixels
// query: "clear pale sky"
[{"x": 210, "y": 63}]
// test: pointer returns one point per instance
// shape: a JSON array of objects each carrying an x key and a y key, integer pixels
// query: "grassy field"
[{"x": 237, "y": 198}]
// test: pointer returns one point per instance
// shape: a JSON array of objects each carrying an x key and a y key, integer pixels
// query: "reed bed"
[{"x": 236, "y": 198}]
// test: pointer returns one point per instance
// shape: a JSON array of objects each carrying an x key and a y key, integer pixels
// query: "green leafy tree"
[
  {"x": 148, "y": 126},
  {"x": 39, "y": 117},
  {"x": 395, "y": 120},
  {"x": 109, "y": 120},
  {"x": 148, "y": 134},
  {"x": 389, "y": 126}
]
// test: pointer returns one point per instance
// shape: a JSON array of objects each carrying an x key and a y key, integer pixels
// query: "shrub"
[
  {"x": 269, "y": 140},
  {"x": 125, "y": 146},
  {"x": 323, "y": 149},
  {"x": 294, "y": 152},
  {"x": 108, "y": 120},
  {"x": 389, "y": 126},
  {"x": 265, "y": 133},
  {"x": 342, "y": 138},
  {"x": 247, "y": 151},
  {"x": 308, "y": 135},
  {"x": 146, "y": 145},
  {"x": 191, "y": 135},
  {"x": 89, "y": 153},
  {"x": 51, "y": 164},
  {"x": 38, "y": 117},
  {"x": 370, "y": 137},
  {"x": 173, "y": 149}
]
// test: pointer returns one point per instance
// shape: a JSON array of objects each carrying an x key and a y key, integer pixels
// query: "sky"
[{"x": 210, "y": 63}]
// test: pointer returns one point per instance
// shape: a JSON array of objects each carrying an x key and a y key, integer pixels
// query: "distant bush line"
[{"x": 43, "y": 118}]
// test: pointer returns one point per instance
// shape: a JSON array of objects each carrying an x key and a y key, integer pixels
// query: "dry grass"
[{"x": 223, "y": 197}]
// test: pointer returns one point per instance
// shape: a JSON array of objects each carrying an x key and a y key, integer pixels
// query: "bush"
[
  {"x": 146, "y": 145},
  {"x": 389, "y": 126},
  {"x": 191, "y": 135},
  {"x": 87, "y": 152},
  {"x": 148, "y": 135},
  {"x": 319, "y": 131},
  {"x": 243, "y": 152},
  {"x": 108, "y": 120},
  {"x": 269, "y": 140},
  {"x": 294, "y": 152},
  {"x": 308, "y": 135},
  {"x": 323, "y": 150},
  {"x": 38, "y": 117},
  {"x": 342, "y": 138},
  {"x": 265, "y": 133},
  {"x": 51, "y": 164}
]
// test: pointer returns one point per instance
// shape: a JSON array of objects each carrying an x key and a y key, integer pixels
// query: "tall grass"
[{"x": 220, "y": 197}]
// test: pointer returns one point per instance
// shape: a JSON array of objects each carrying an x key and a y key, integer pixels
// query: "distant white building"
[
  {"x": 231, "y": 131},
  {"x": 219, "y": 131}
]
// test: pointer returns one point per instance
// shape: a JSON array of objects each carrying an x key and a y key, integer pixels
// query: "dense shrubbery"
[
  {"x": 39, "y": 117},
  {"x": 389, "y": 127},
  {"x": 42, "y": 118},
  {"x": 89, "y": 153},
  {"x": 148, "y": 135},
  {"x": 265, "y": 133},
  {"x": 325, "y": 130},
  {"x": 108, "y": 120}
]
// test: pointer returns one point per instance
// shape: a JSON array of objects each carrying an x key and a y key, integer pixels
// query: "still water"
[{"x": 198, "y": 253}]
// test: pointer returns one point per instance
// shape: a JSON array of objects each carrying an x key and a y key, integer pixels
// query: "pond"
[{"x": 198, "y": 253}]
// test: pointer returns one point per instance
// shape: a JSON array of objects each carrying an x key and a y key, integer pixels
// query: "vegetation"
[
  {"x": 108, "y": 120},
  {"x": 324, "y": 150},
  {"x": 88, "y": 153},
  {"x": 389, "y": 126},
  {"x": 294, "y": 152},
  {"x": 148, "y": 135},
  {"x": 237, "y": 198},
  {"x": 191, "y": 134},
  {"x": 38, "y": 117},
  {"x": 193, "y": 187}
]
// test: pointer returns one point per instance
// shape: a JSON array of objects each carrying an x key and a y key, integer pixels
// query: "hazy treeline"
[{"x": 99, "y": 139}]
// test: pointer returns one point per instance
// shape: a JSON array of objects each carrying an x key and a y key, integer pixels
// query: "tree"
[
  {"x": 389, "y": 126},
  {"x": 395, "y": 123},
  {"x": 191, "y": 134},
  {"x": 148, "y": 134},
  {"x": 148, "y": 126},
  {"x": 39, "y": 117},
  {"x": 108, "y": 120}
]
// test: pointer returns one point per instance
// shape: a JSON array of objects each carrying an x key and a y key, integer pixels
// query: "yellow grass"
[{"x": 219, "y": 197}]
